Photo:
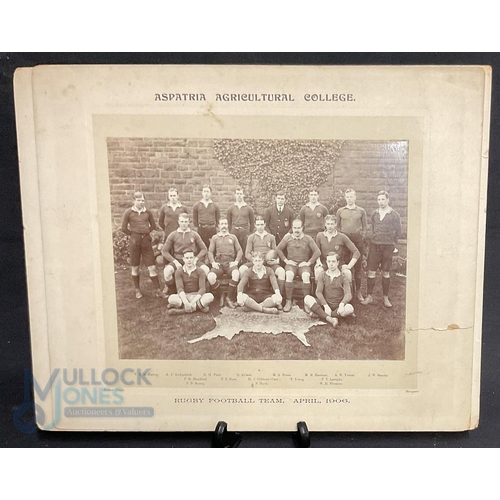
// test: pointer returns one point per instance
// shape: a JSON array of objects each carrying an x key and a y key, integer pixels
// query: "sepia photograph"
[
  {"x": 249, "y": 249},
  {"x": 261, "y": 263}
]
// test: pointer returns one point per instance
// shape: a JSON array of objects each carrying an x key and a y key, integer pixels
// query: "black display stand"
[
  {"x": 224, "y": 439},
  {"x": 302, "y": 438}
]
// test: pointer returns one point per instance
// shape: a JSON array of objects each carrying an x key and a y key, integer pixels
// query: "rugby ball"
[{"x": 271, "y": 255}]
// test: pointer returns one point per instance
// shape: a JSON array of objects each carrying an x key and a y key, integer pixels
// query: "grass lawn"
[{"x": 146, "y": 331}]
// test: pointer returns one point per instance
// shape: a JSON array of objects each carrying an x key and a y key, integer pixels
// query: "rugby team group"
[{"x": 261, "y": 255}]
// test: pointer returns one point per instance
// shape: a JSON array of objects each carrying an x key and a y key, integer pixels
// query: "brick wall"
[
  {"x": 372, "y": 166},
  {"x": 155, "y": 165}
]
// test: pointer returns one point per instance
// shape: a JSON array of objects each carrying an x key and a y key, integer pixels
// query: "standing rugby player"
[
  {"x": 313, "y": 214},
  {"x": 206, "y": 215},
  {"x": 168, "y": 219},
  {"x": 386, "y": 229},
  {"x": 279, "y": 218},
  {"x": 138, "y": 222},
  {"x": 351, "y": 220},
  {"x": 241, "y": 218},
  {"x": 298, "y": 251}
]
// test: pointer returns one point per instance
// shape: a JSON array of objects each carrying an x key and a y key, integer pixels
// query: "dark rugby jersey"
[
  {"x": 240, "y": 218},
  {"x": 338, "y": 244},
  {"x": 298, "y": 249},
  {"x": 224, "y": 248},
  {"x": 313, "y": 219},
  {"x": 333, "y": 291},
  {"x": 135, "y": 222},
  {"x": 351, "y": 220},
  {"x": 169, "y": 217},
  {"x": 386, "y": 231},
  {"x": 254, "y": 284},
  {"x": 179, "y": 241},
  {"x": 190, "y": 283},
  {"x": 205, "y": 215},
  {"x": 262, "y": 244}
]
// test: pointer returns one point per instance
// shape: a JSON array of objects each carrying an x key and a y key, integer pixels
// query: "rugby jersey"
[
  {"x": 333, "y": 290},
  {"x": 168, "y": 219},
  {"x": 301, "y": 249},
  {"x": 351, "y": 220},
  {"x": 224, "y": 248},
  {"x": 206, "y": 215},
  {"x": 313, "y": 219},
  {"x": 193, "y": 282},
  {"x": 179, "y": 241},
  {"x": 141, "y": 222},
  {"x": 256, "y": 284},
  {"x": 338, "y": 244},
  {"x": 388, "y": 230},
  {"x": 240, "y": 217},
  {"x": 260, "y": 243}
]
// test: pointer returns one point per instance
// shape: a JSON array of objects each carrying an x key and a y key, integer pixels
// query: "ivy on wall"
[{"x": 264, "y": 167}]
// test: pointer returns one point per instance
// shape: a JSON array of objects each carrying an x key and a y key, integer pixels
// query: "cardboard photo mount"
[{"x": 65, "y": 115}]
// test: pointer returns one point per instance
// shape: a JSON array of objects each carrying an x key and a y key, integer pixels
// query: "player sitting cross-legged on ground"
[
  {"x": 258, "y": 288},
  {"x": 298, "y": 251},
  {"x": 190, "y": 282},
  {"x": 224, "y": 254},
  {"x": 333, "y": 293},
  {"x": 265, "y": 243}
]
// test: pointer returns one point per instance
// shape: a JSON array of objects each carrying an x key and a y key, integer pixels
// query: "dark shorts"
[
  {"x": 206, "y": 232},
  {"x": 224, "y": 268},
  {"x": 298, "y": 270},
  {"x": 140, "y": 245},
  {"x": 259, "y": 296},
  {"x": 333, "y": 306},
  {"x": 380, "y": 255}
]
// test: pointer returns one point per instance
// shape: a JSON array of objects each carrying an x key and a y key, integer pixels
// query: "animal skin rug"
[{"x": 231, "y": 322}]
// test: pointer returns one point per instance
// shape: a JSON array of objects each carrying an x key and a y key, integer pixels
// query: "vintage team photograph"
[{"x": 249, "y": 249}]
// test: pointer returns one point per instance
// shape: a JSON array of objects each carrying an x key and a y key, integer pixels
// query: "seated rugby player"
[
  {"x": 179, "y": 240},
  {"x": 330, "y": 240},
  {"x": 224, "y": 254},
  {"x": 258, "y": 288},
  {"x": 191, "y": 294},
  {"x": 265, "y": 243},
  {"x": 298, "y": 251},
  {"x": 333, "y": 293}
]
